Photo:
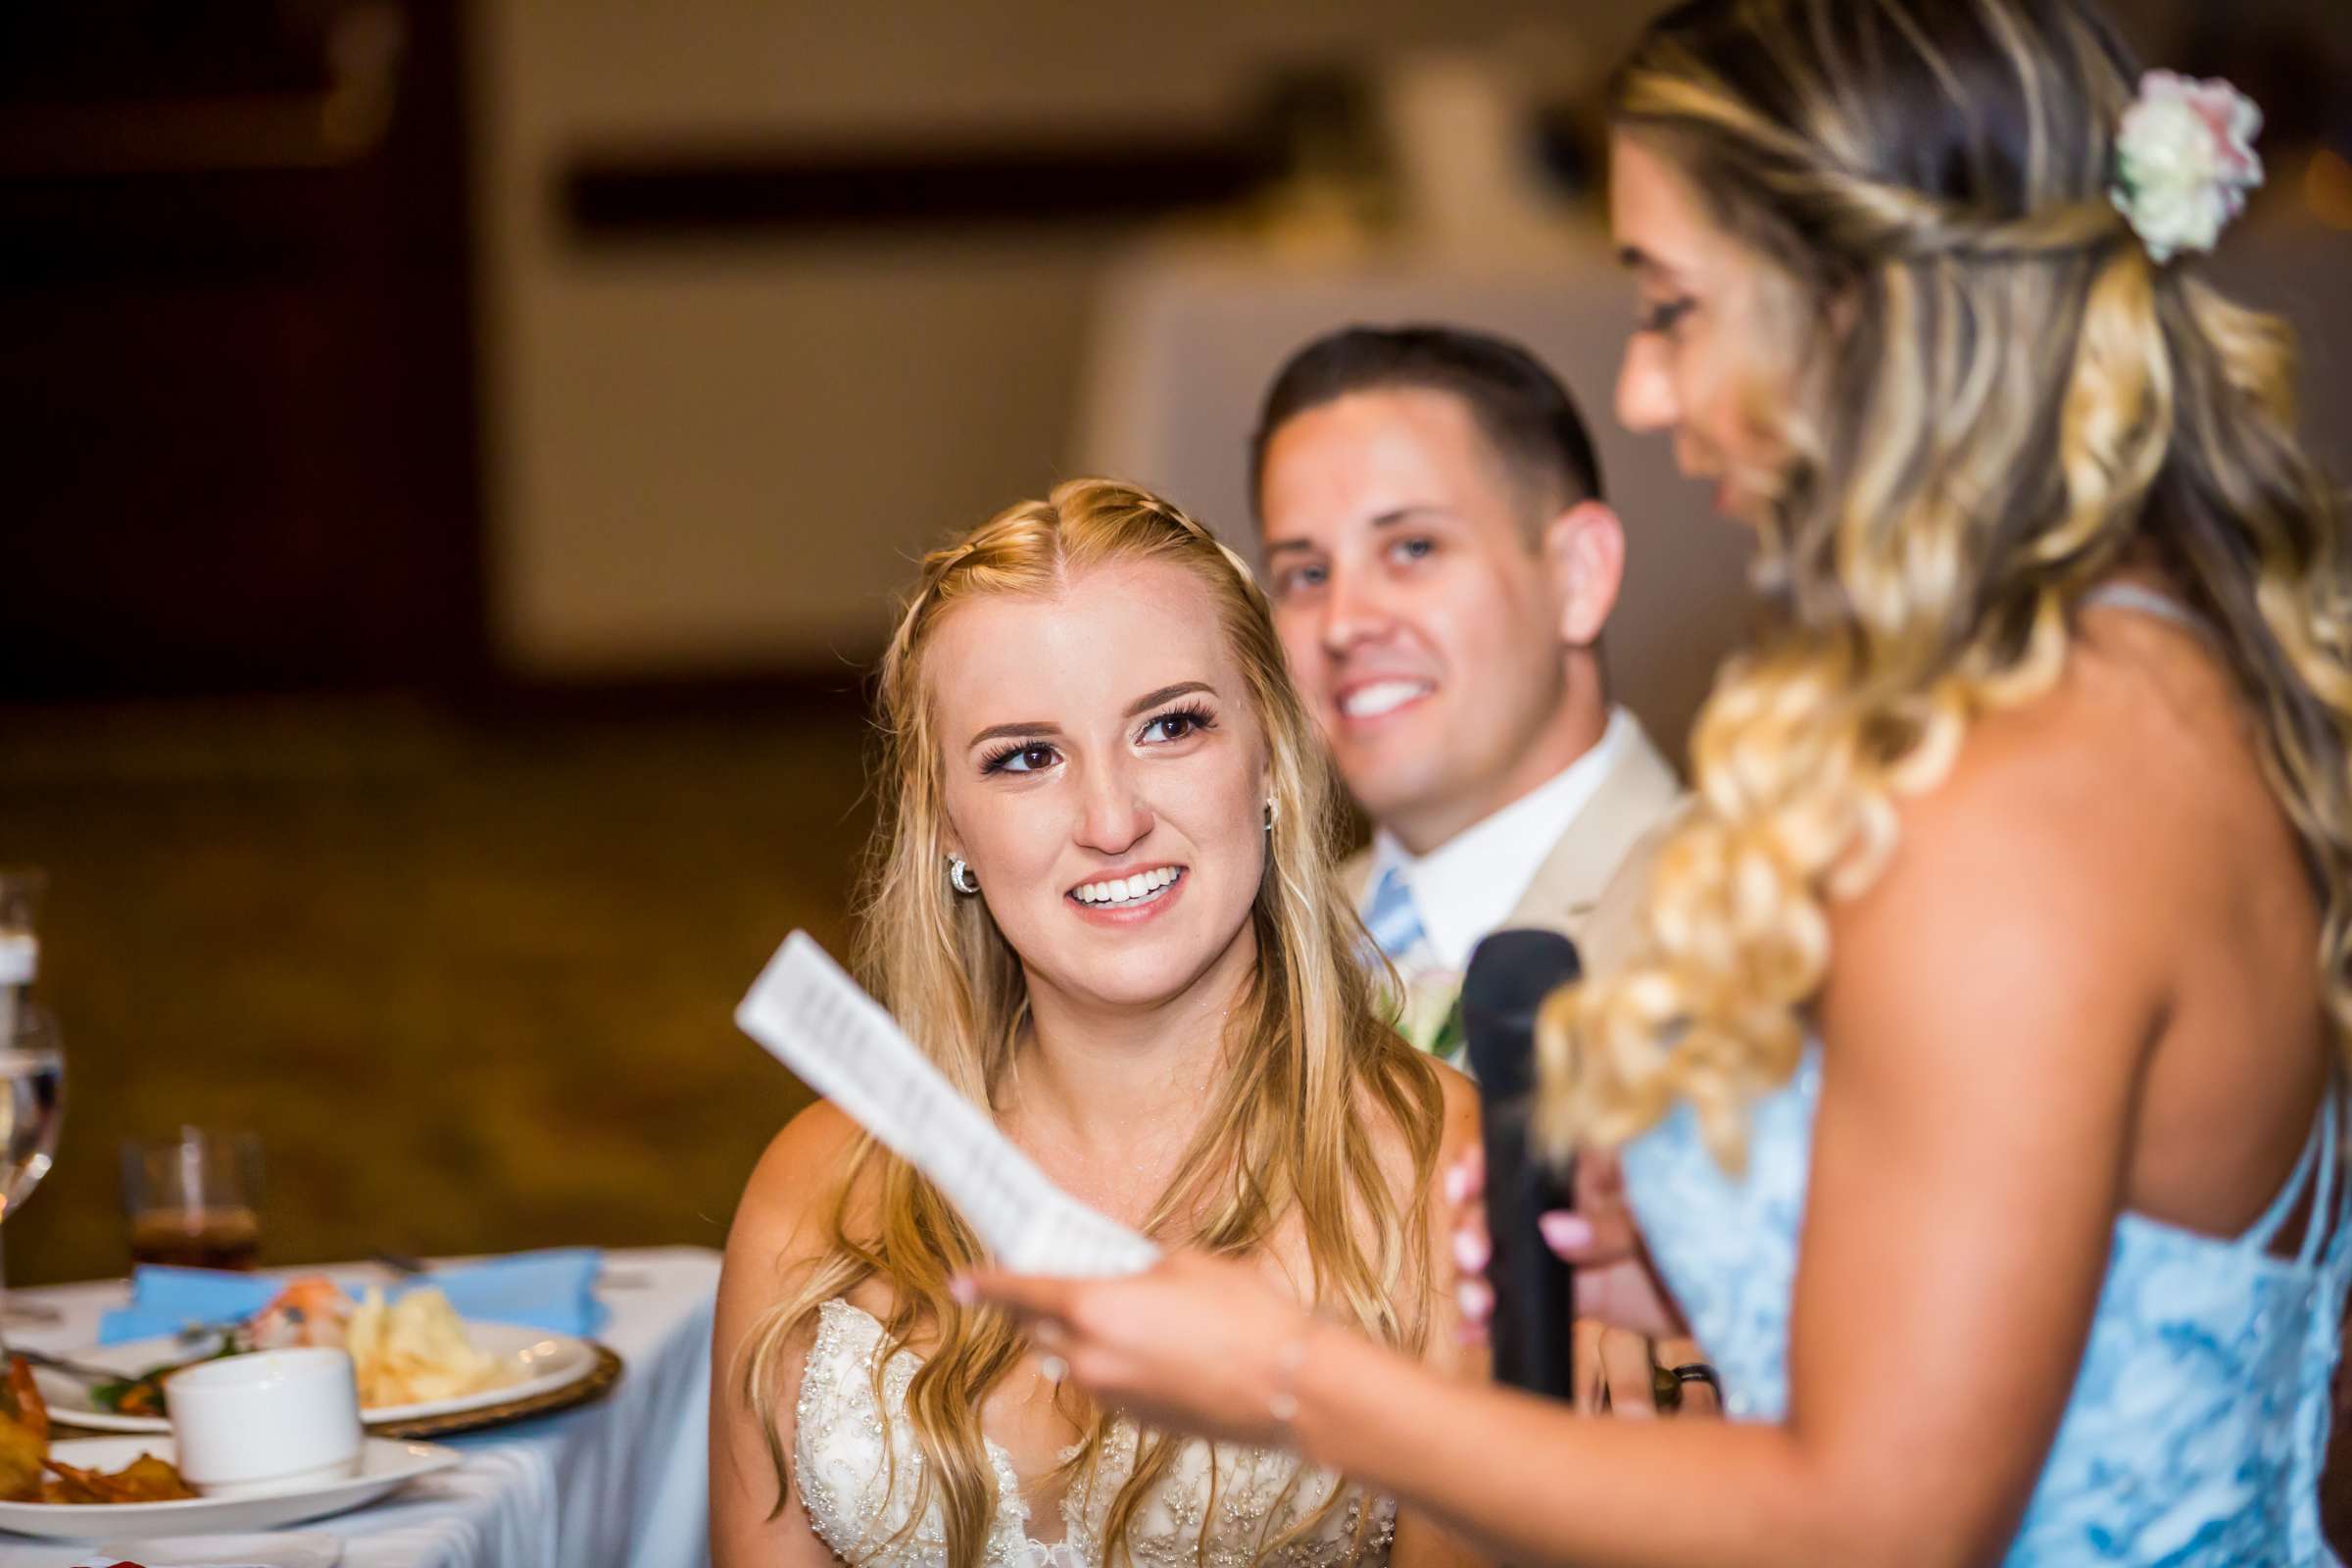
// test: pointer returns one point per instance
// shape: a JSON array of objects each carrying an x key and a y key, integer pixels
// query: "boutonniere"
[{"x": 1431, "y": 1017}]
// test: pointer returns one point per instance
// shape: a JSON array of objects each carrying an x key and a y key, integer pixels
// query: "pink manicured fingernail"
[
  {"x": 1457, "y": 1182},
  {"x": 960, "y": 1287},
  {"x": 1471, "y": 1249},
  {"x": 1565, "y": 1233},
  {"x": 1475, "y": 1298}
]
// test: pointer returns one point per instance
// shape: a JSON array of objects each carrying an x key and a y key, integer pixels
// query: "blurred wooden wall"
[{"x": 237, "y": 375}]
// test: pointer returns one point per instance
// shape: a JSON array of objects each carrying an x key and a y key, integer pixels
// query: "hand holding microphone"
[
  {"x": 1546, "y": 1248},
  {"x": 1511, "y": 973},
  {"x": 1595, "y": 1238}
]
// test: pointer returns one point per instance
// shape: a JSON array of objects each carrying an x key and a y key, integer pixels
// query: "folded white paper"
[{"x": 812, "y": 1017}]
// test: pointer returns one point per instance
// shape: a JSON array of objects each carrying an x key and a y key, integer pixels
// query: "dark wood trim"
[
  {"x": 837, "y": 691},
  {"x": 632, "y": 195}
]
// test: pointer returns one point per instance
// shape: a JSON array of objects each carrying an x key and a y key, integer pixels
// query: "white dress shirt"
[{"x": 1466, "y": 887}]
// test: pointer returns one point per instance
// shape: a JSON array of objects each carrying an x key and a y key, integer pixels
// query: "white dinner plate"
[
  {"x": 384, "y": 1466},
  {"x": 541, "y": 1362}
]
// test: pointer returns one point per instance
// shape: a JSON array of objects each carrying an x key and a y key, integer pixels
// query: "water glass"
[
  {"x": 22, "y": 889},
  {"x": 32, "y": 1107}
]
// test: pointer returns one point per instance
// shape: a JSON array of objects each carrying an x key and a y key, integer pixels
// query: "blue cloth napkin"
[{"x": 555, "y": 1291}]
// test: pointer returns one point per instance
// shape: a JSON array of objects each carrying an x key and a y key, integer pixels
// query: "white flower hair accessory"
[{"x": 2184, "y": 161}]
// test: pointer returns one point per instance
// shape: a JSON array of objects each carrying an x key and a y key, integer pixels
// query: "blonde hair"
[
  {"x": 1312, "y": 1062},
  {"x": 1999, "y": 397}
]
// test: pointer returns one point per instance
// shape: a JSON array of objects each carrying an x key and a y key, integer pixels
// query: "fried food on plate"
[
  {"x": 145, "y": 1479},
  {"x": 23, "y": 1433},
  {"x": 25, "y": 1456}
]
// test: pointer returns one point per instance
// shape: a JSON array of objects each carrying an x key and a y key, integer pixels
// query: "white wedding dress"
[{"x": 857, "y": 1489}]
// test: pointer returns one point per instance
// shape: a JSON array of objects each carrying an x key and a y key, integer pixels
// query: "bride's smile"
[{"x": 1100, "y": 900}]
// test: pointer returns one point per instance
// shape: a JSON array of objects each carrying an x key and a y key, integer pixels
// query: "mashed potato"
[{"x": 415, "y": 1350}]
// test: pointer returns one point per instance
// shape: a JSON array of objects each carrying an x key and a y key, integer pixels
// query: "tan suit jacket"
[{"x": 1636, "y": 797}]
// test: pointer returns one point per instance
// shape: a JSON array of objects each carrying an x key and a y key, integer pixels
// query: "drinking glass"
[
  {"x": 22, "y": 889},
  {"x": 32, "y": 1107},
  {"x": 194, "y": 1200}
]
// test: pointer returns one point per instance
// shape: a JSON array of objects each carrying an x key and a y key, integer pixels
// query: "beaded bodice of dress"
[{"x": 858, "y": 1476}]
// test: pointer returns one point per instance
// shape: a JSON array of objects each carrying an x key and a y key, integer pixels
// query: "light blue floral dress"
[{"x": 2200, "y": 1418}]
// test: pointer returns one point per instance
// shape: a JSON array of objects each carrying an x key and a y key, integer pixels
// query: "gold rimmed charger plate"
[
  {"x": 583, "y": 1390},
  {"x": 594, "y": 1385}
]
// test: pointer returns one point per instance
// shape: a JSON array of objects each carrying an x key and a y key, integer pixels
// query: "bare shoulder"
[
  {"x": 2068, "y": 848},
  {"x": 1457, "y": 1130},
  {"x": 784, "y": 1221},
  {"x": 2118, "y": 784},
  {"x": 1461, "y": 1113},
  {"x": 781, "y": 1224},
  {"x": 818, "y": 1138},
  {"x": 796, "y": 1184}
]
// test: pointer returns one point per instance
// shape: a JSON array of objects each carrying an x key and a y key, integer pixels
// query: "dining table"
[{"x": 617, "y": 1483}]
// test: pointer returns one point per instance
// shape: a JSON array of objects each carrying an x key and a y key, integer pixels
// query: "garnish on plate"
[{"x": 143, "y": 1394}]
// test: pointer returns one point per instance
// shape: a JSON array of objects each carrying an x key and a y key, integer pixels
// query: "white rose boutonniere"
[{"x": 2184, "y": 161}]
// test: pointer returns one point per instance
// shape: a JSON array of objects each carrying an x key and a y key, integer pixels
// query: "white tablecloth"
[{"x": 622, "y": 1481}]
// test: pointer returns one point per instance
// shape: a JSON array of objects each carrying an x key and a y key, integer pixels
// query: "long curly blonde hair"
[
  {"x": 1313, "y": 1068},
  {"x": 1998, "y": 400}
]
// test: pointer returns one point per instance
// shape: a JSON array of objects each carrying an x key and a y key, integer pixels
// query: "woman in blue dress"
[{"x": 1973, "y": 1067}]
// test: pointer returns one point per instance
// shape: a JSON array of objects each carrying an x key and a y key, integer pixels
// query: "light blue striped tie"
[{"x": 1393, "y": 918}]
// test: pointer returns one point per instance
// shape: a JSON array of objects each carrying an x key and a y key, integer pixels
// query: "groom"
[{"x": 1442, "y": 562}]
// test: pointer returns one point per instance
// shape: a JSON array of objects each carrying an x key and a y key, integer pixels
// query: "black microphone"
[{"x": 1511, "y": 972}]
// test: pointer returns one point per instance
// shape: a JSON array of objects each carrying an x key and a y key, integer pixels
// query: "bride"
[{"x": 1100, "y": 901}]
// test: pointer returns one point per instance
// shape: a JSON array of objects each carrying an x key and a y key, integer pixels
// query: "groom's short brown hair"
[{"x": 1520, "y": 406}]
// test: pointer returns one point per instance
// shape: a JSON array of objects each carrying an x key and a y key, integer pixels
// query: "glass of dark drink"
[{"x": 194, "y": 1200}]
